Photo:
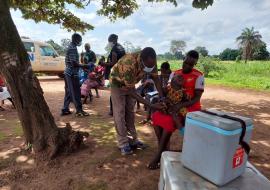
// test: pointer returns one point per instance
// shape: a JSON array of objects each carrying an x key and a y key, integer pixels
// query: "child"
[
  {"x": 147, "y": 85},
  {"x": 95, "y": 80},
  {"x": 166, "y": 121},
  {"x": 4, "y": 94},
  {"x": 165, "y": 74},
  {"x": 174, "y": 95},
  {"x": 164, "y": 79}
]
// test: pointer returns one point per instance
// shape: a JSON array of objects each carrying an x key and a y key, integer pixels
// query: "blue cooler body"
[{"x": 211, "y": 146}]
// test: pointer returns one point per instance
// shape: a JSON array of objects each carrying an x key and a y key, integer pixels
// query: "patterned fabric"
[
  {"x": 2, "y": 82},
  {"x": 176, "y": 96},
  {"x": 72, "y": 56},
  {"x": 128, "y": 71}
]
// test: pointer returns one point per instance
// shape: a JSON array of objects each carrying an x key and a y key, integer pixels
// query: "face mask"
[
  {"x": 110, "y": 45},
  {"x": 148, "y": 69},
  {"x": 79, "y": 44}
]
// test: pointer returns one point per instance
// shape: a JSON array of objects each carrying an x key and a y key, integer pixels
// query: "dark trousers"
[
  {"x": 72, "y": 93},
  {"x": 111, "y": 105}
]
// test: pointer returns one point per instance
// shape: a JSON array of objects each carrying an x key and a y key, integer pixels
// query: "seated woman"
[
  {"x": 95, "y": 80},
  {"x": 4, "y": 94},
  {"x": 166, "y": 124}
]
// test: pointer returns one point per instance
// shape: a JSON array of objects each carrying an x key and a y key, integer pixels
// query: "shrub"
[{"x": 210, "y": 68}]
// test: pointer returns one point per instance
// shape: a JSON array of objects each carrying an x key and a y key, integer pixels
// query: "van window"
[
  {"x": 47, "y": 51},
  {"x": 29, "y": 46}
]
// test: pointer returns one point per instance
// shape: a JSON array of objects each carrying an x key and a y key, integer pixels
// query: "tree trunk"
[{"x": 36, "y": 119}]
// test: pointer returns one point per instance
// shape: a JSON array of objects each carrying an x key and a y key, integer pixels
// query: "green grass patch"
[
  {"x": 251, "y": 75},
  {"x": 18, "y": 131},
  {"x": 100, "y": 185},
  {"x": 2, "y": 136}
]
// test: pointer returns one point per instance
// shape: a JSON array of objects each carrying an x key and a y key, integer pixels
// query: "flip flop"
[{"x": 155, "y": 167}]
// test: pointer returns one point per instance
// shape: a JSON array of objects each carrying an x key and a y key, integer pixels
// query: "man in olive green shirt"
[{"x": 126, "y": 73}]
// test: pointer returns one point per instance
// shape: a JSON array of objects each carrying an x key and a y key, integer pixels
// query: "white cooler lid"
[{"x": 219, "y": 122}]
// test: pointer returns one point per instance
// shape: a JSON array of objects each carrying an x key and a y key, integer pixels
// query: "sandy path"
[{"x": 100, "y": 166}]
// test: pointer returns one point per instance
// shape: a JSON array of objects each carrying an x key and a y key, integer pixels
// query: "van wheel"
[{"x": 61, "y": 75}]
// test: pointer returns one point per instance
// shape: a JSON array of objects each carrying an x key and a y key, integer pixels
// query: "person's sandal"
[
  {"x": 153, "y": 167},
  {"x": 82, "y": 114}
]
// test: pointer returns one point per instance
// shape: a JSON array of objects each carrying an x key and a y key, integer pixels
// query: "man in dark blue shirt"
[
  {"x": 72, "y": 82},
  {"x": 116, "y": 53}
]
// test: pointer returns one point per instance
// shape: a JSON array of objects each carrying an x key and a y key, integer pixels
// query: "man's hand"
[{"x": 158, "y": 106}]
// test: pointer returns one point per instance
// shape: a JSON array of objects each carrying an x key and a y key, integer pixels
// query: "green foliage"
[
  {"x": 202, "y": 4},
  {"x": 248, "y": 41},
  {"x": 254, "y": 74},
  {"x": 261, "y": 52},
  {"x": 56, "y": 12},
  {"x": 53, "y": 12},
  {"x": 170, "y": 56},
  {"x": 230, "y": 54},
  {"x": 209, "y": 67},
  {"x": 202, "y": 51}
]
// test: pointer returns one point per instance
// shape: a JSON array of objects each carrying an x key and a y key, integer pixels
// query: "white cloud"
[{"x": 155, "y": 24}]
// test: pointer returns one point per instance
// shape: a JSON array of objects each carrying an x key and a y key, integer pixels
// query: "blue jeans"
[{"x": 72, "y": 93}]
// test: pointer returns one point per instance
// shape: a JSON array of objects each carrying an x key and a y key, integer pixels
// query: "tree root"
[{"x": 65, "y": 140}]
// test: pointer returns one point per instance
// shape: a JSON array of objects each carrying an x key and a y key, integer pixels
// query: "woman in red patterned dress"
[{"x": 164, "y": 124}]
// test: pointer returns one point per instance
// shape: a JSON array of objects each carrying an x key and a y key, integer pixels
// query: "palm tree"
[{"x": 248, "y": 41}]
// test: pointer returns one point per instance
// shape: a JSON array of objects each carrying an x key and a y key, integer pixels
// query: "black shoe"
[
  {"x": 66, "y": 113},
  {"x": 82, "y": 114}
]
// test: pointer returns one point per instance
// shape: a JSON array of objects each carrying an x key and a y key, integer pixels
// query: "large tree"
[
  {"x": 177, "y": 46},
  {"x": 229, "y": 54},
  {"x": 248, "y": 41},
  {"x": 261, "y": 52},
  {"x": 202, "y": 50},
  {"x": 38, "y": 124}
]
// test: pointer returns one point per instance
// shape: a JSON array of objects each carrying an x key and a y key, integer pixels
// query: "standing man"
[
  {"x": 116, "y": 53},
  {"x": 128, "y": 71},
  {"x": 89, "y": 57},
  {"x": 72, "y": 82}
]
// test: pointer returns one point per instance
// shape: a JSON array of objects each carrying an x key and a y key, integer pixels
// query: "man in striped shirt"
[{"x": 72, "y": 82}]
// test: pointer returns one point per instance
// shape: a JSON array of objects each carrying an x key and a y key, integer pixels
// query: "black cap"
[{"x": 112, "y": 37}]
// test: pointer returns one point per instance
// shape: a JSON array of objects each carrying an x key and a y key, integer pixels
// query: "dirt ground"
[{"x": 100, "y": 166}]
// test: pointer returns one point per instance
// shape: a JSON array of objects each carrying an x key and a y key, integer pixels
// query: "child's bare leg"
[
  {"x": 97, "y": 94},
  {"x": 90, "y": 96},
  {"x": 85, "y": 100},
  {"x": 165, "y": 138},
  {"x": 158, "y": 131},
  {"x": 12, "y": 102},
  {"x": 177, "y": 121}
]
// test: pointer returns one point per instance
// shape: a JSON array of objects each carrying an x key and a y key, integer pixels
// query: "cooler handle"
[{"x": 243, "y": 144}]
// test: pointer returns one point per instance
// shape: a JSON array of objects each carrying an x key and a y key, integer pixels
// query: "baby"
[{"x": 175, "y": 95}]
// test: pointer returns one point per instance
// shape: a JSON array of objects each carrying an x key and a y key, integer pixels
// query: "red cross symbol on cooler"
[{"x": 238, "y": 157}]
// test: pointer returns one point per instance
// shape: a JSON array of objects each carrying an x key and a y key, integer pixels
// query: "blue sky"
[{"x": 157, "y": 24}]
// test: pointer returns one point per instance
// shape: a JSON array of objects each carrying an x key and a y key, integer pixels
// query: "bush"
[{"x": 210, "y": 68}]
